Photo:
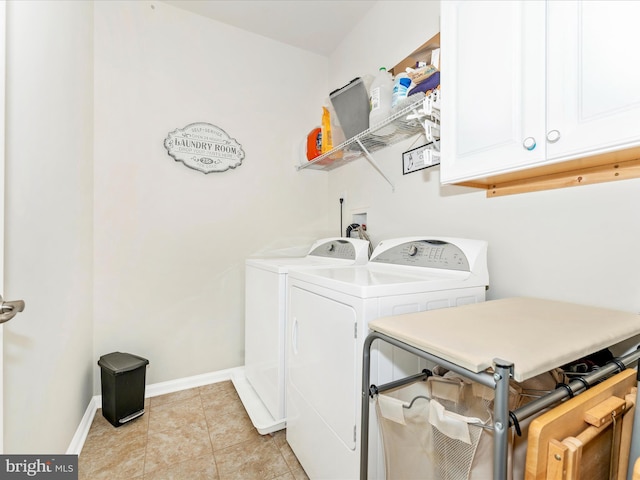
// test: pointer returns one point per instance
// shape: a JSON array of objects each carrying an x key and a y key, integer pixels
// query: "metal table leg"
[
  {"x": 502, "y": 373},
  {"x": 364, "y": 427}
]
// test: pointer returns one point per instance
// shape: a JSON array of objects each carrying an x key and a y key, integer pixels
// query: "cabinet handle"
[
  {"x": 529, "y": 143},
  {"x": 553, "y": 136}
]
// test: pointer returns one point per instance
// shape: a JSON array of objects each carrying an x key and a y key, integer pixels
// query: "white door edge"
[{"x": 3, "y": 49}]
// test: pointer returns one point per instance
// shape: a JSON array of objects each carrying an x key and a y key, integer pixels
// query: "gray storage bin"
[{"x": 351, "y": 104}]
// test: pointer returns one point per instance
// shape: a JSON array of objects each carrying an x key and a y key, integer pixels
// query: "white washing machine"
[
  {"x": 329, "y": 310},
  {"x": 261, "y": 385}
]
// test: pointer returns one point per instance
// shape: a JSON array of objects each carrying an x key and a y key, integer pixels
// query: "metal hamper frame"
[{"x": 498, "y": 380}]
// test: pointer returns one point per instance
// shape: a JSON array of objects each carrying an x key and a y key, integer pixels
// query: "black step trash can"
[{"x": 122, "y": 376}]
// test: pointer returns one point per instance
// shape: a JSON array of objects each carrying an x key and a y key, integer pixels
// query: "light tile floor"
[{"x": 196, "y": 434}]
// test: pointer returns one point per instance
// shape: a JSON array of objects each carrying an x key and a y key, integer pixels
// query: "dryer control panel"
[{"x": 424, "y": 253}]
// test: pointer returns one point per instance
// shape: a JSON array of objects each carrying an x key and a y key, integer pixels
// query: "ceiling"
[{"x": 317, "y": 26}]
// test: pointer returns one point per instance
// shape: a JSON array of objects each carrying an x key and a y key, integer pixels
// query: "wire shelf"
[{"x": 407, "y": 122}]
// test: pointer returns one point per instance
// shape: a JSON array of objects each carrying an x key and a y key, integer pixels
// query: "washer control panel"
[
  {"x": 425, "y": 253},
  {"x": 335, "y": 249}
]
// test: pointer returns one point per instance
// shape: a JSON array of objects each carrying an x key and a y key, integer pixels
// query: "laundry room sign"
[{"x": 204, "y": 147}]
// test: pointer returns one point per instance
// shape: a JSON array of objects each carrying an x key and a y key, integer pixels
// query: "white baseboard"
[
  {"x": 186, "y": 383},
  {"x": 153, "y": 390},
  {"x": 77, "y": 442}
]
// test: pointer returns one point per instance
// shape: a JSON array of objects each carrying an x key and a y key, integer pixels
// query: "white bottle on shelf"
[
  {"x": 401, "y": 84},
  {"x": 380, "y": 101}
]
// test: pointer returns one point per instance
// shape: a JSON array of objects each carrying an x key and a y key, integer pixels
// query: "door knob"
[{"x": 10, "y": 309}]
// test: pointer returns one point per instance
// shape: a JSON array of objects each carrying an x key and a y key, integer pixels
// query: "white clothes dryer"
[
  {"x": 329, "y": 312},
  {"x": 261, "y": 385}
]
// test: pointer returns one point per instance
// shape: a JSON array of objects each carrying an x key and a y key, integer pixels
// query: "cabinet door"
[
  {"x": 492, "y": 87},
  {"x": 593, "y": 86}
]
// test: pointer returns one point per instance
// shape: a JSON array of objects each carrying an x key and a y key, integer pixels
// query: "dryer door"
[{"x": 322, "y": 365}]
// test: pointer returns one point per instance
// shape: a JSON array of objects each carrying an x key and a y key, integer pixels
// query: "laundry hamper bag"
[{"x": 440, "y": 428}]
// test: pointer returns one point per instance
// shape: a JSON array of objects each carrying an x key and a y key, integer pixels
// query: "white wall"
[
  {"x": 48, "y": 350},
  {"x": 577, "y": 244},
  {"x": 170, "y": 242}
]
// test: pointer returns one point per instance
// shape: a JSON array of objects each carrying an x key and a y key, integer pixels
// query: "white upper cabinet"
[
  {"x": 527, "y": 84},
  {"x": 492, "y": 85},
  {"x": 593, "y": 77}
]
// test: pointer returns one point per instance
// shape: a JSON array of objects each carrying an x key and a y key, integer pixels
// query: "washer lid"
[{"x": 282, "y": 265}]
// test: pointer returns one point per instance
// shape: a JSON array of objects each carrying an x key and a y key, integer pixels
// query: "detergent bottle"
[
  {"x": 400, "y": 88},
  {"x": 380, "y": 102}
]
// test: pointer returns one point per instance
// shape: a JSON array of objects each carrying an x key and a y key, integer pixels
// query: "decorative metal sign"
[
  {"x": 204, "y": 147},
  {"x": 420, "y": 158}
]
